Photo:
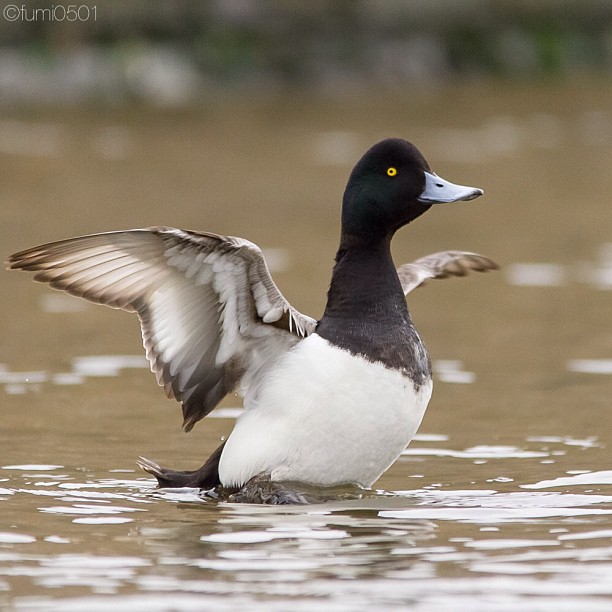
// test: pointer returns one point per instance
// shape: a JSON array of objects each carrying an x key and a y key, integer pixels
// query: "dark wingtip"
[
  {"x": 480, "y": 263},
  {"x": 188, "y": 424},
  {"x": 14, "y": 262}
]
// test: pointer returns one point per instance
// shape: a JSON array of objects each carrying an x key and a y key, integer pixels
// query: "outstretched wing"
[
  {"x": 442, "y": 265},
  {"x": 209, "y": 310}
]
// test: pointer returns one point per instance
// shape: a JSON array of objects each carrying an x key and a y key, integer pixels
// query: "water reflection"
[
  {"x": 603, "y": 477},
  {"x": 206, "y": 549},
  {"x": 15, "y": 538},
  {"x": 536, "y": 274},
  {"x": 59, "y": 302},
  {"x": 107, "y": 365},
  {"x": 451, "y": 371},
  {"x": 493, "y": 507},
  {"x": 478, "y": 452},
  {"x": 590, "y": 366}
]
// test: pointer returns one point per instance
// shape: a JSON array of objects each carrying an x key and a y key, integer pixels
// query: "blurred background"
[{"x": 173, "y": 54}]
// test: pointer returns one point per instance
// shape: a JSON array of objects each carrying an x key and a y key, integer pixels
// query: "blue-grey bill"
[{"x": 438, "y": 190}]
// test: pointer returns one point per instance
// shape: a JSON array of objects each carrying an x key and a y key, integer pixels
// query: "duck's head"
[{"x": 391, "y": 185}]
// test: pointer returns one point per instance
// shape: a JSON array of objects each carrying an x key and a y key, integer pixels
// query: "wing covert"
[{"x": 205, "y": 302}]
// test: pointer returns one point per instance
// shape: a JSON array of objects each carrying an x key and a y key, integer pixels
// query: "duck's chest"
[
  {"x": 327, "y": 416},
  {"x": 386, "y": 337}
]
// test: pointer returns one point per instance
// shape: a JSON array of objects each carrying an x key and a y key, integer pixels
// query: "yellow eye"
[{"x": 391, "y": 171}]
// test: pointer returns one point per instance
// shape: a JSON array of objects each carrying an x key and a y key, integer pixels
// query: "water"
[{"x": 504, "y": 499}]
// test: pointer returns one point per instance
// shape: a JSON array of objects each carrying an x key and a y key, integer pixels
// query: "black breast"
[
  {"x": 397, "y": 347},
  {"x": 366, "y": 314}
]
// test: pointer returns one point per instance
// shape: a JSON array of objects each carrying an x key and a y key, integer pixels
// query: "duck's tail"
[{"x": 206, "y": 477}]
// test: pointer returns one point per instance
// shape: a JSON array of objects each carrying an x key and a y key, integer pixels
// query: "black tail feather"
[{"x": 206, "y": 477}]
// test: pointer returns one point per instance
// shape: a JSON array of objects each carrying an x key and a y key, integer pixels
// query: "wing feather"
[
  {"x": 206, "y": 303},
  {"x": 442, "y": 265}
]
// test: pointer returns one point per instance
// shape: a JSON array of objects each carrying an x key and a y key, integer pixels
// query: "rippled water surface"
[{"x": 504, "y": 499}]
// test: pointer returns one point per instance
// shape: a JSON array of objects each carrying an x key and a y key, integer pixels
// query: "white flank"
[{"x": 324, "y": 416}]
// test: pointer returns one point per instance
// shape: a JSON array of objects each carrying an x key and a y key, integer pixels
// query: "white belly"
[{"x": 325, "y": 417}]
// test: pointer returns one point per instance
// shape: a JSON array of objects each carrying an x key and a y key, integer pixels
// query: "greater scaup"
[{"x": 327, "y": 402}]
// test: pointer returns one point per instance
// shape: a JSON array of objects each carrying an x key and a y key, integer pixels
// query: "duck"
[{"x": 327, "y": 402}]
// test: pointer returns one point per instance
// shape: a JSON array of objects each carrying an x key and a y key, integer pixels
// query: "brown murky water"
[{"x": 505, "y": 497}]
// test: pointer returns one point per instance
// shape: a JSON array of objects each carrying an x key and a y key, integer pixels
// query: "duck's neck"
[
  {"x": 366, "y": 312},
  {"x": 365, "y": 285}
]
